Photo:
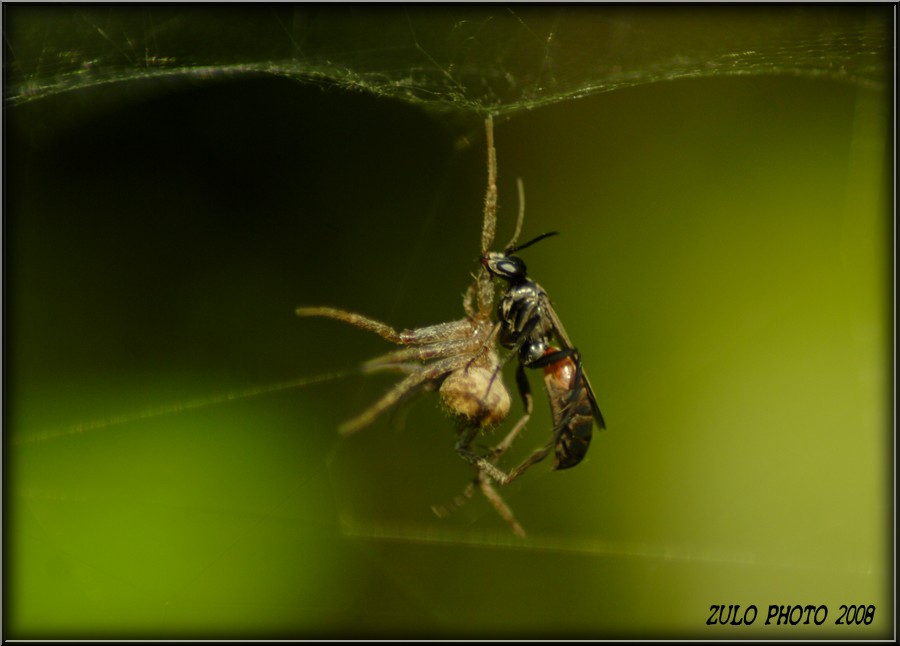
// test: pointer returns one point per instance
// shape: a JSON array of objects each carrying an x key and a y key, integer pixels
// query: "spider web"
[
  {"x": 443, "y": 58},
  {"x": 240, "y": 514}
]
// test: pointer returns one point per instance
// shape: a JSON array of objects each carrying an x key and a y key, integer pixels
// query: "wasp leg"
[
  {"x": 528, "y": 403},
  {"x": 520, "y": 341}
]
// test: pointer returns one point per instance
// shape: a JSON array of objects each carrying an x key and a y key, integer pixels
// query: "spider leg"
[
  {"x": 398, "y": 414},
  {"x": 383, "y": 330},
  {"x": 395, "y": 394},
  {"x": 498, "y": 451},
  {"x": 505, "y": 512},
  {"x": 442, "y": 511},
  {"x": 486, "y": 344},
  {"x": 483, "y": 465},
  {"x": 452, "y": 331},
  {"x": 468, "y": 435},
  {"x": 469, "y": 299},
  {"x": 438, "y": 333},
  {"x": 404, "y": 367},
  {"x": 521, "y": 216},
  {"x": 488, "y": 467},
  {"x": 489, "y": 226},
  {"x": 492, "y": 496},
  {"x": 426, "y": 352}
]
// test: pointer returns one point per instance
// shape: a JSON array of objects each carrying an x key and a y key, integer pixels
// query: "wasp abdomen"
[{"x": 573, "y": 419}]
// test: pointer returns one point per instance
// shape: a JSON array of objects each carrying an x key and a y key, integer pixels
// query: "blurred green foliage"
[{"x": 724, "y": 267}]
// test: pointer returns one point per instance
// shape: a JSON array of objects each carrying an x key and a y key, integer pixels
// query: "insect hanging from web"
[
  {"x": 458, "y": 358},
  {"x": 527, "y": 324}
]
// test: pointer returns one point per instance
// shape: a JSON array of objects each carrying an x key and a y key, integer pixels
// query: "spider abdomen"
[{"x": 465, "y": 397}]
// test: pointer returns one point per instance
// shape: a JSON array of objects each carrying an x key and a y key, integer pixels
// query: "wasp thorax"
[{"x": 465, "y": 396}]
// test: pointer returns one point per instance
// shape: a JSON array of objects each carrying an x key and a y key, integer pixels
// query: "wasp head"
[{"x": 509, "y": 268}]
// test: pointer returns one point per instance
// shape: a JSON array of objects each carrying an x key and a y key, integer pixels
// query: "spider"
[{"x": 457, "y": 357}]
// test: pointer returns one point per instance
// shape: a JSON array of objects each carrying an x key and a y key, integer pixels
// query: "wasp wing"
[{"x": 560, "y": 332}]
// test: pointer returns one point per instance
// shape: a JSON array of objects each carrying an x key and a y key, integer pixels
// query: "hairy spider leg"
[
  {"x": 419, "y": 353},
  {"x": 395, "y": 394},
  {"x": 446, "y": 341},
  {"x": 383, "y": 330},
  {"x": 489, "y": 223},
  {"x": 485, "y": 276},
  {"x": 492, "y": 496},
  {"x": 502, "y": 508}
]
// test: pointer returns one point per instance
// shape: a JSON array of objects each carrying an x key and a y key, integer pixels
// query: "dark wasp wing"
[{"x": 560, "y": 333}]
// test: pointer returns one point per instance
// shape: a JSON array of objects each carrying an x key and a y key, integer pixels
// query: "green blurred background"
[{"x": 724, "y": 267}]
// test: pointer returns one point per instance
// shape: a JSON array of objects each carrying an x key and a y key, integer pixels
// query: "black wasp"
[{"x": 527, "y": 323}]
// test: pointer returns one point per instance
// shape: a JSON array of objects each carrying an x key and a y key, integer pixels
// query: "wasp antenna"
[{"x": 531, "y": 242}]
